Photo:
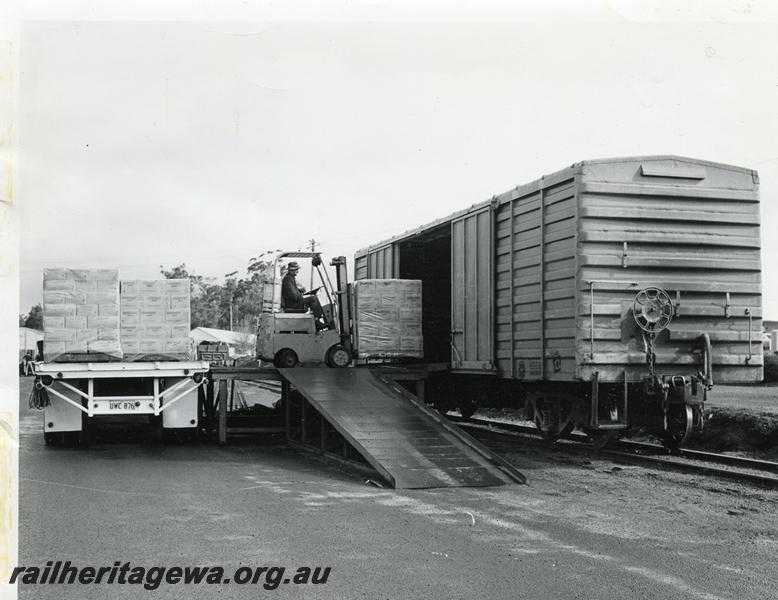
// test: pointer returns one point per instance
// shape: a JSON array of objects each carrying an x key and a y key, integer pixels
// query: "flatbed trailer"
[{"x": 79, "y": 392}]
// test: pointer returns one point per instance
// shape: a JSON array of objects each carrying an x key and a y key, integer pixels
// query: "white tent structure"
[
  {"x": 28, "y": 340},
  {"x": 240, "y": 343}
]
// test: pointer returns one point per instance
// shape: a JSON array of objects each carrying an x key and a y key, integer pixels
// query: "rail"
[{"x": 744, "y": 470}]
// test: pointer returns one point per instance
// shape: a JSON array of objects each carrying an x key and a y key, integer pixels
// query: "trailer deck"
[{"x": 167, "y": 389}]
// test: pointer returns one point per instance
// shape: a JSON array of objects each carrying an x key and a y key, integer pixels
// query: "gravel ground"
[{"x": 582, "y": 529}]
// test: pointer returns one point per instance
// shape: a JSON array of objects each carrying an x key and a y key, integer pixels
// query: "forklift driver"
[{"x": 292, "y": 296}]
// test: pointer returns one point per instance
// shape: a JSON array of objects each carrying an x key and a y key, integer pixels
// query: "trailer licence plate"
[{"x": 123, "y": 405}]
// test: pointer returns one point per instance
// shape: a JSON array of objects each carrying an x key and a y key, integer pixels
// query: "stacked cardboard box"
[
  {"x": 387, "y": 318},
  {"x": 154, "y": 317},
  {"x": 80, "y": 313},
  {"x": 271, "y": 297}
]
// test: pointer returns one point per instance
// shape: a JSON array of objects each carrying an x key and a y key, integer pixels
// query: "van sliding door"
[{"x": 472, "y": 287}]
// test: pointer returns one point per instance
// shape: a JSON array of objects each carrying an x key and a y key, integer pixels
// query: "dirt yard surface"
[{"x": 582, "y": 528}]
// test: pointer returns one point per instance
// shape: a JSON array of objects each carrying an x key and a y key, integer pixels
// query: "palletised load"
[
  {"x": 387, "y": 318},
  {"x": 154, "y": 317},
  {"x": 81, "y": 314}
]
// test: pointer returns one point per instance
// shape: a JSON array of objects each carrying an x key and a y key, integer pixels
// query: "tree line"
[{"x": 210, "y": 301}]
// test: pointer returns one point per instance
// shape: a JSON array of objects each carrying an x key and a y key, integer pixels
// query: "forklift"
[{"x": 290, "y": 337}]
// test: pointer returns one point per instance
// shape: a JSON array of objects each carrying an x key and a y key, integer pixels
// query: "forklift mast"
[{"x": 343, "y": 298}]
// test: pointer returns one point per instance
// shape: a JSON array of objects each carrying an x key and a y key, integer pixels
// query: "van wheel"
[
  {"x": 467, "y": 408},
  {"x": 338, "y": 357},
  {"x": 443, "y": 406},
  {"x": 285, "y": 359},
  {"x": 602, "y": 438}
]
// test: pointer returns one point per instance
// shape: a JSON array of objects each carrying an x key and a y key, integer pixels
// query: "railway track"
[{"x": 745, "y": 470}]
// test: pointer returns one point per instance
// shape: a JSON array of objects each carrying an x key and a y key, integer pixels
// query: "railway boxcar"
[{"x": 610, "y": 293}]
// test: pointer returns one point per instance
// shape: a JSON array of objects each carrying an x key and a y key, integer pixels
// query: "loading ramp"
[{"x": 400, "y": 437}]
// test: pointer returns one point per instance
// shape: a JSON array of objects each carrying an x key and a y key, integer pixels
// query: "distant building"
[{"x": 769, "y": 341}]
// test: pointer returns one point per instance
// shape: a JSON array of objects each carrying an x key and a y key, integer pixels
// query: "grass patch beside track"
[{"x": 732, "y": 429}]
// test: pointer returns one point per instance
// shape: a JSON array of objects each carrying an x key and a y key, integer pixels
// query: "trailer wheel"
[
  {"x": 338, "y": 357},
  {"x": 285, "y": 359},
  {"x": 182, "y": 436},
  {"x": 75, "y": 439},
  {"x": 66, "y": 439}
]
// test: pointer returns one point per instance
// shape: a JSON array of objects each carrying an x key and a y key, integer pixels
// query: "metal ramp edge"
[
  {"x": 495, "y": 459},
  {"x": 406, "y": 442}
]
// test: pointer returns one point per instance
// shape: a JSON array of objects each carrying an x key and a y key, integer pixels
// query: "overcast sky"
[{"x": 149, "y": 143}]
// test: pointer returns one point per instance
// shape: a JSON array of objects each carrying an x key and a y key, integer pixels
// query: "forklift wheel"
[
  {"x": 338, "y": 357},
  {"x": 286, "y": 359}
]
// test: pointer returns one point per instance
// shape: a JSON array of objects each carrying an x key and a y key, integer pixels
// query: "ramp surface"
[{"x": 409, "y": 444}]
